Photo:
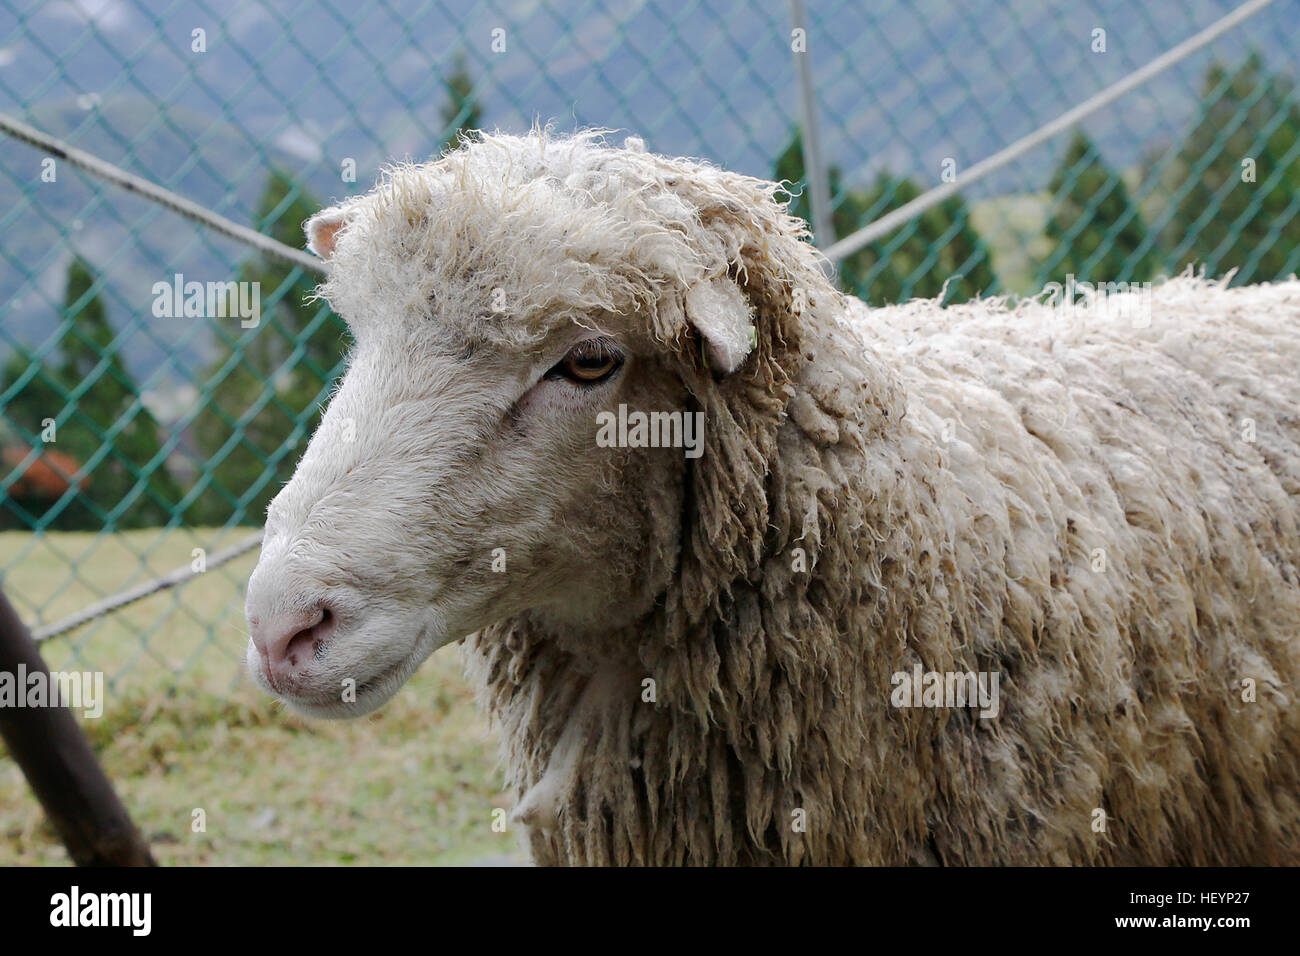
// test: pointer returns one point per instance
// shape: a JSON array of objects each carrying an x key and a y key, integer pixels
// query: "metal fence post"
[
  {"x": 814, "y": 171},
  {"x": 60, "y": 765}
]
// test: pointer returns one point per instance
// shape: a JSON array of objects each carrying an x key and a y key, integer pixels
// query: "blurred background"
[{"x": 171, "y": 434}]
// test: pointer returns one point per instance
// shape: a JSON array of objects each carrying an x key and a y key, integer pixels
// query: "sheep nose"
[{"x": 289, "y": 640}]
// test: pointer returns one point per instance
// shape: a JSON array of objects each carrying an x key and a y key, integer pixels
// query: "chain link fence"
[{"x": 141, "y": 433}]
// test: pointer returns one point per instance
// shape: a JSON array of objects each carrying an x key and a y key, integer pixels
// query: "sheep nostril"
[
  {"x": 321, "y": 634},
  {"x": 310, "y": 641}
]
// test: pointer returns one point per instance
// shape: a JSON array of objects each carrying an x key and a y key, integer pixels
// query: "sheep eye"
[{"x": 588, "y": 364}]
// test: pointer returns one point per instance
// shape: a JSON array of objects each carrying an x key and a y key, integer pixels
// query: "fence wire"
[{"x": 144, "y": 430}]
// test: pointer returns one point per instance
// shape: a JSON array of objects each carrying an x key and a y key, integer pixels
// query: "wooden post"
[{"x": 61, "y": 767}]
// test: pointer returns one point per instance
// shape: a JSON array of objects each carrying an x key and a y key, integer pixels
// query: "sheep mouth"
[
  {"x": 368, "y": 695},
  {"x": 328, "y": 692}
]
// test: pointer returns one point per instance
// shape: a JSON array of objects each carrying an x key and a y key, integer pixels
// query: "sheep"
[{"x": 1008, "y": 582}]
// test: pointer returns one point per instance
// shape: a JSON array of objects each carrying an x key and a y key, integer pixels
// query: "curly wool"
[{"x": 1101, "y": 511}]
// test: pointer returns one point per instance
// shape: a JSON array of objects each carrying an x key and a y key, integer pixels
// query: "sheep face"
[
  {"x": 447, "y": 489},
  {"x": 483, "y": 457}
]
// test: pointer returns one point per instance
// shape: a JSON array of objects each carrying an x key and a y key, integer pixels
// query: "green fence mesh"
[{"x": 137, "y": 437}]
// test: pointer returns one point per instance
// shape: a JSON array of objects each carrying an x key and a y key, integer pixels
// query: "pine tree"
[
  {"x": 463, "y": 113},
  {"x": 940, "y": 245},
  {"x": 39, "y": 398},
  {"x": 1097, "y": 232},
  {"x": 1249, "y": 128},
  {"x": 265, "y": 383},
  {"x": 130, "y": 486}
]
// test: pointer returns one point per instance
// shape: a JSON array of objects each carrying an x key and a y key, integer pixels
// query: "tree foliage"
[
  {"x": 264, "y": 384},
  {"x": 1096, "y": 230},
  {"x": 940, "y": 246},
  {"x": 462, "y": 113},
  {"x": 102, "y": 424},
  {"x": 1233, "y": 186}
]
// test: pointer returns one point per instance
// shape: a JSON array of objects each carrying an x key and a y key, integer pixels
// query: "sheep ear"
[
  {"x": 723, "y": 316},
  {"x": 323, "y": 230}
]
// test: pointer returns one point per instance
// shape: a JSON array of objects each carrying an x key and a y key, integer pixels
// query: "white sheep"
[{"x": 995, "y": 583}]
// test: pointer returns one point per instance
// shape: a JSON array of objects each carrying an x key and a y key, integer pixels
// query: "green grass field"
[{"x": 184, "y": 729}]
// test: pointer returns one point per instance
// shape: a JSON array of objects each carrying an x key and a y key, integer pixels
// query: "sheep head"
[{"x": 513, "y": 306}]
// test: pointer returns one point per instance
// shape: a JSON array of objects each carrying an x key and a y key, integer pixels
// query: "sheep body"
[
  {"x": 1102, "y": 508},
  {"x": 1098, "y": 503}
]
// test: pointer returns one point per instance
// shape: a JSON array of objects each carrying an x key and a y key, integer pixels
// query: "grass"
[{"x": 184, "y": 730}]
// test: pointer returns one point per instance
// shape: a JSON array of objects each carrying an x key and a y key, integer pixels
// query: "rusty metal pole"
[{"x": 61, "y": 767}]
